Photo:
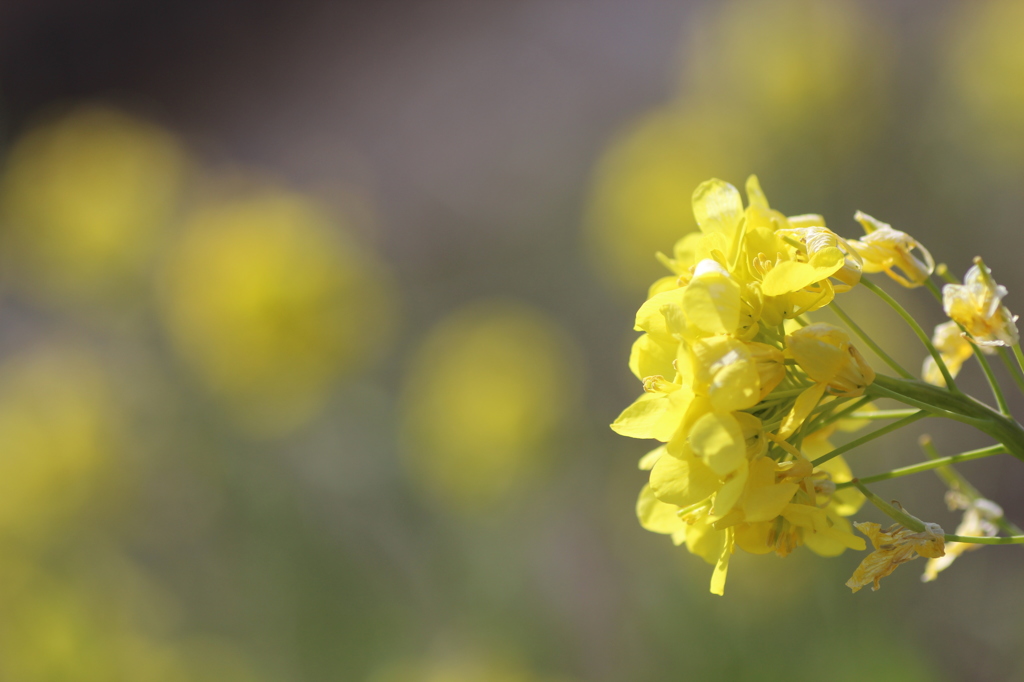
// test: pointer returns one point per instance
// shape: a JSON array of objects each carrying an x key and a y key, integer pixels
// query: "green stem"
[
  {"x": 959, "y": 407},
  {"x": 870, "y": 437},
  {"x": 898, "y": 515},
  {"x": 869, "y": 342},
  {"x": 880, "y": 391},
  {"x": 1011, "y": 540},
  {"x": 917, "y": 330},
  {"x": 1020, "y": 357},
  {"x": 954, "y": 480},
  {"x": 1015, "y": 371},
  {"x": 882, "y": 414},
  {"x": 997, "y": 390},
  {"x": 928, "y": 466}
]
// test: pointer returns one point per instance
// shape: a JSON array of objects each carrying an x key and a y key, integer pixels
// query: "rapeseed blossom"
[
  {"x": 734, "y": 380},
  {"x": 977, "y": 306},
  {"x": 954, "y": 349}
]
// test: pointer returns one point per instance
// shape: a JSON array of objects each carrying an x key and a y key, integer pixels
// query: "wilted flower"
[
  {"x": 890, "y": 251},
  {"x": 893, "y": 547},
  {"x": 977, "y": 306}
]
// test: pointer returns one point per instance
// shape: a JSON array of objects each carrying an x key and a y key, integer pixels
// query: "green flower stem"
[
  {"x": 900, "y": 516},
  {"x": 1015, "y": 371},
  {"x": 1011, "y": 540},
  {"x": 954, "y": 480},
  {"x": 997, "y": 390},
  {"x": 942, "y": 270},
  {"x": 848, "y": 410},
  {"x": 928, "y": 466},
  {"x": 917, "y": 330},
  {"x": 879, "y": 391},
  {"x": 882, "y": 414},
  {"x": 1020, "y": 357},
  {"x": 963, "y": 408},
  {"x": 871, "y": 436},
  {"x": 869, "y": 342}
]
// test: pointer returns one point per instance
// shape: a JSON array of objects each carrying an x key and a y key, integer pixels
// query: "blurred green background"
[{"x": 313, "y": 317}]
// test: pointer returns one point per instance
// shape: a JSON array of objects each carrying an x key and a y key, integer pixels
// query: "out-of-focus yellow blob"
[
  {"x": 459, "y": 669},
  {"x": 985, "y": 78},
  {"x": 641, "y": 200},
  {"x": 486, "y": 391},
  {"x": 84, "y": 201},
  {"x": 58, "y": 432},
  {"x": 271, "y": 304},
  {"x": 60, "y": 631},
  {"x": 790, "y": 84},
  {"x": 794, "y": 67}
]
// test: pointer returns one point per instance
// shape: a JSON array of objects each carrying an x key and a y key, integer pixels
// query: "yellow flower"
[
  {"x": 270, "y": 304},
  {"x": 978, "y": 520},
  {"x": 825, "y": 353},
  {"x": 828, "y": 357},
  {"x": 483, "y": 398},
  {"x": 977, "y": 306},
  {"x": 85, "y": 200},
  {"x": 954, "y": 349},
  {"x": 890, "y": 251},
  {"x": 893, "y": 547}
]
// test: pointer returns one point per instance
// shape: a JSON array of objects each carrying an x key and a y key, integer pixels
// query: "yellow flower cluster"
[{"x": 738, "y": 386}]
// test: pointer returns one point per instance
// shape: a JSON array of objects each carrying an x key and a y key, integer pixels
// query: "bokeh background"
[{"x": 313, "y": 317}]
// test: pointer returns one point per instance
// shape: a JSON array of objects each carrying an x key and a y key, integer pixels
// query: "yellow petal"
[
  {"x": 651, "y": 317},
  {"x": 755, "y": 196},
  {"x": 712, "y": 303},
  {"x": 655, "y": 515},
  {"x": 730, "y": 493},
  {"x": 718, "y": 207},
  {"x": 653, "y": 415},
  {"x": 647, "y": 461},
  {"x": 682, "y": 482},
  {"x": 722, "y": 566},
  {"x": 650, "y": 356},
  {"x": 718, "y": 439},
  {"x": 789, "y": 276},
  {"x": 805, "y": 402},
  {"x": 727, "y": 372}
]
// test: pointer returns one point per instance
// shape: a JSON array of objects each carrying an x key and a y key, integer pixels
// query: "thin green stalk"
[
  {"x": 954, "y": 480},
  {"x": 882, "y": 414},
  {"x": 869, "y": 342},
  {"x": 929, "y": 465},
  {"x": 1011, "y": 540},
  {"x": 898, "y": 515},
  {"x": 871, "y": 436},
  {"x": 1020, "y": 357},
  {"x": 997, "y": 390},
  {"x": 917, "y": 330},
  {"x": 846, "y": 411},
  {"x": 1015, "y": 371}
]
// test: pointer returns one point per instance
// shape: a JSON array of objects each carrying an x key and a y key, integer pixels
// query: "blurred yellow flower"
[
  {"x": 270, "y": 303},
  {"x": 977, "y": 306},
  {"x": 954, "y": 349},
  {"x": 893, "y": 547},
  {"x": 59, "y": 432},
  {"x": 983, "y": 64},
  {"x": 486, "y": 392},
  {"x": 978, "y": 521},
  {"x": 84, "y": 201},
  {"x": 801, "y": 68},
  {"x": 641, "y": 195}
]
